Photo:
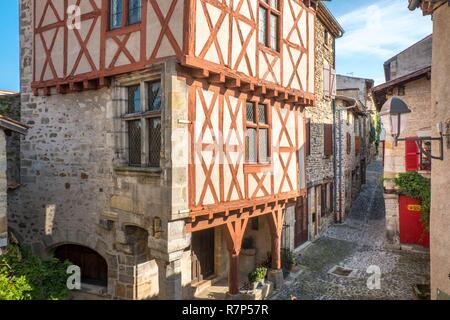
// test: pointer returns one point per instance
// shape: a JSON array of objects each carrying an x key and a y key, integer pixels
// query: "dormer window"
[
  {"x": 124, "y": 12},
  {"x": 269, "y": 24}
]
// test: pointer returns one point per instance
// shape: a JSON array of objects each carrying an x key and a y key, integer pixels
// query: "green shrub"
[
  {"x": 414, "y": 185},
  {"x": 258, "y": 275},
  {"x": 24, "y": 276}
]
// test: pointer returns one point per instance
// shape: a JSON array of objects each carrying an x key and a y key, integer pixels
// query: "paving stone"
[{"x": 358, "y": 244}]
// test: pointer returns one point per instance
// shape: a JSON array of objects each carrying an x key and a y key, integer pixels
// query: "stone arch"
[
  {"x": 91, "y": 241},
  {"x": 136, "y": 241},
  {"x": 94, "y": 268}
]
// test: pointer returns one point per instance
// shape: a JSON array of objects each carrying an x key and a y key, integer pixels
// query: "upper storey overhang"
[{"x": 216, "y": 39}]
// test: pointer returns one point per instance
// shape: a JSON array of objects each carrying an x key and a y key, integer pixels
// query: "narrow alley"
[{"x": 355, "y": 246}]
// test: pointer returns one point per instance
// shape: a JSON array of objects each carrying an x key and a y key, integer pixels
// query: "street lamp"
[{"x": 394, "y": 118}]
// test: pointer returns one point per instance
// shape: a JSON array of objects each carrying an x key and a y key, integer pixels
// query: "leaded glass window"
[
  {"x": 134, "y": 11},
  {"x": 134, "y": 99},
  {"x": 144, "y": 123},
  {"x": 115, "y": 16},
  {"x": 257, "y": 148},
  {"x": 269, "y": 24},
  {"x": 134, "y": 143},
  {"x": 154, "y": 96}
]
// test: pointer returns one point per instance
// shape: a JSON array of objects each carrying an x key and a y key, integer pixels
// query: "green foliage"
[
  {"x": 375, "y": 132},
  {"x": 24, "y": 276},
  {"x": 258, "y": 275},
  {"x": 5, "y": 106},
  {"x": 414, "y": 185},
  {"x": 290, "y": 258}
]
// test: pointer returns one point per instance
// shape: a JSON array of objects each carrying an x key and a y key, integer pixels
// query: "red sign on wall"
[{"x": 411, "y": 229}]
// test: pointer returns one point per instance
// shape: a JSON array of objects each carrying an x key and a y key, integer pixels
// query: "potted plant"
[
  {"x": 257, "y": 277},
  {"x": 290, "y": 261}
]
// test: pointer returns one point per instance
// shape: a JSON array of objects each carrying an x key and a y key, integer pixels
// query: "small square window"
[
  {"x": 251, "y": 150},
  {"x": 263, "y": 145},
  {"x": 250, "y": 112},
  {"x": 134, "y": 143},
  {"x": 134, "y": 99},
  {"x": 115, "y": 17},
  {"x": 134, "y": 11},
  {"x": 154, "y": 142},
  {"x": 154, "y": 96},
  {"x": 262, "y": 114}
]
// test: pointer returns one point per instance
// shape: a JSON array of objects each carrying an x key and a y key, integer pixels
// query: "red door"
[{"x": 411, "y": 229}]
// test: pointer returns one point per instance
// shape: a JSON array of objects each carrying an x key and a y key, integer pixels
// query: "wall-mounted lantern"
[{"x": 394, "y": 116}]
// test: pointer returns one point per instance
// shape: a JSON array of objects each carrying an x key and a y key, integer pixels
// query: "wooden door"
[
  {"x": 301, "y": 222},
  {"x": 94, "y": 269},
  {"x": 323, "y": 200},
  {"x": 202, "y": 255}
]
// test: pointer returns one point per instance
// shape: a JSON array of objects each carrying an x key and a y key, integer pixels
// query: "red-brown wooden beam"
[
  {"x": 276, "y": 220},
  {"x": 234, "y": 235}
]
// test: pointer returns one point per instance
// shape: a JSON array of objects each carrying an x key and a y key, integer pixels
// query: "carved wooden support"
[
  {"x": 276, "y": 220},
  {"x": 234, "y": 237}
]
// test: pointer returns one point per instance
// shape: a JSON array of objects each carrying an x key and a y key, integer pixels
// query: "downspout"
[
  {"x": 335, "y": 178},
  {"x": 340, "y": 168}
]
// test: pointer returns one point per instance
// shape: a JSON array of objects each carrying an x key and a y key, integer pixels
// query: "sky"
[{"x": 376, "y": 30}]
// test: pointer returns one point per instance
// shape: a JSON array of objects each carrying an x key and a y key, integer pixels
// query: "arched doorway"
[{"x": 94, "y": 269}]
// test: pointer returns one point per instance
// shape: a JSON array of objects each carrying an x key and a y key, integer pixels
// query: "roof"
[
  {"x": 402, "y": 80},
  {"x": 357, "y": 105},
  {"x": 330, "y": 22},
  {"x": 7, "y": 93},
  {"x": 13, "y": 125},
  {"x": 380, "y": 91}
]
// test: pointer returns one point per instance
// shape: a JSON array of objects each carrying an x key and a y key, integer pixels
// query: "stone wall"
[
  {"x": 10, "y": 107},
  {"x": 77, "y": 189},
  {"x": 411, "y": 59},
  {"x": 418, "y": 97},
  {"x": 440, "y": 214},
  {"x": 349, "y": 180},
  {"x": 319, "y": 167}
]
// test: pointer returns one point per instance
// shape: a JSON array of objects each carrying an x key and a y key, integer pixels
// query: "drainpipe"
[{"x": 336, "y": 219}]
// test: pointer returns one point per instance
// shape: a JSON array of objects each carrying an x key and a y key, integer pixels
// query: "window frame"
[
  {"x": 258, "y": 126},
  {"x": 145, "y": 115},
  {"x": 125, "y": 22},
  {"x": 269, "y": 12}
]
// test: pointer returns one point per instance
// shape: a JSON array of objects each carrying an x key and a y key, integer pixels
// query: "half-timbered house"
[{"x": 167, "y": 136}]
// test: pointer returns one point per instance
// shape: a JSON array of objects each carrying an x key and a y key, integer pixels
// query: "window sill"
[{"x": 133, "y": 171}]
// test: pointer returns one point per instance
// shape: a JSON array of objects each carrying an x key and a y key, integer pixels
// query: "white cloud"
[{"x": 382, "y": 29}]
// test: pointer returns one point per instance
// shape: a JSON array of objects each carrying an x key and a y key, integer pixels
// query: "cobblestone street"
[{"x": 358, "y": 244}]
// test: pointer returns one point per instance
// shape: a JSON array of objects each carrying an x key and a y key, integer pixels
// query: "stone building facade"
[
  {"x": 9, "y": 128},
  {"x": 351, "y": 164},
  {"x": 415, "y": 89},
  {"x": 205, "y": 209},
  {"x": 321, "y": 125},
  {"x": 440, "y": 113}
]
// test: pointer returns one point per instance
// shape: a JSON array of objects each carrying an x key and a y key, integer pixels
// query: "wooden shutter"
[
  {"x": 308, "y": 137},
  {"x": 326, "y": 81},
  {"x": 349, "y": 143},
  {"x": 411, "y": 156},
  {"x": 328, "y": 139},
  {"x": 333, "y": 88},
  {"x": 357, "y": 145}
]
